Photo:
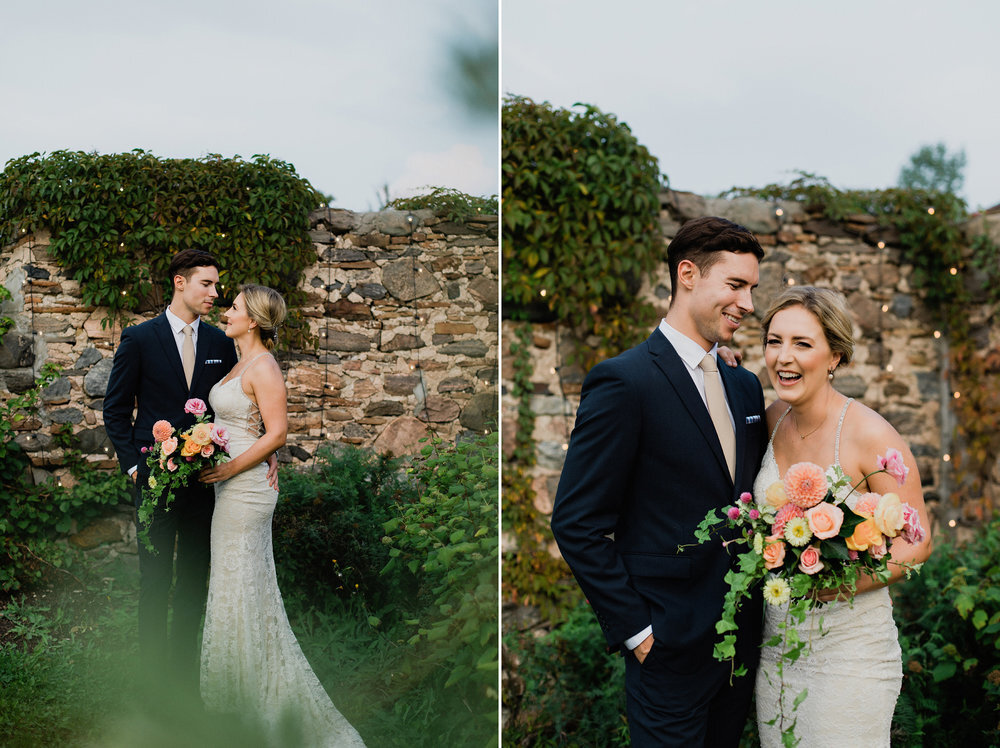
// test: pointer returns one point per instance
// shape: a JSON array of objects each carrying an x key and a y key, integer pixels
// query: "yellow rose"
[
  {"x": 889, "y": 515},
  {"x": 775, "y": 495},
  {"x": 201, "y": 434},
  {"x": 865, "y": 535}
]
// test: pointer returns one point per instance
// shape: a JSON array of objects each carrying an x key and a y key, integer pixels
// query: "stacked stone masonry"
[
  {"x": 404, "y": 308},
  {"x": 899, "y": 363}
]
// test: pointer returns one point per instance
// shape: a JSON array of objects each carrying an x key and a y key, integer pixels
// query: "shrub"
[
  {"x": 328, "y": 526},
  {"x": 949, "y": 630},
  {"x": 573, "y": 688},
  {"x": 448, "y": 539}
]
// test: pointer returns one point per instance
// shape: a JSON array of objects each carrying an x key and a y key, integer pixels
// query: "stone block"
[
  {"x": 402, "y": 436},
  {"x": 480, "y": 414},
  {"x": 345, "y": 341},
  {"x": 407, "y": 280},
  {"x": 95, "y": 383}
]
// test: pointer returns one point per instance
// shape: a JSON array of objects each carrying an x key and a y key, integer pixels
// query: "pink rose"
[
  {"x": 893, "y": 464},
  {"x": 169, "y": 445},
  {"x": 774, "y": 552},
  {"x": 825, "y": 520},
  {"x": 746, "y": 497},
  {"x": 913, "y": 531},
  {"x": 171, "y": 465},
  {"x": 865, "y": 505},
  {"x": 877, "y": 551},
  {"x": 733, "y": 512},
  {"x": 207, "y": 450},
  {"x": 195, "y": 407},
  {"x": 809, "y": 562}
]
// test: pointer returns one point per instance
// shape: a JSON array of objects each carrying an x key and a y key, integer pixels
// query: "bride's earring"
[{"x": 829, "y": 375}]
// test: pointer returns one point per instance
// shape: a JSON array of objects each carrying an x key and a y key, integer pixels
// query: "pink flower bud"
[
  {"x": 754, "y": 514},
  {"x": 733, "y": 513},
  {"x": 745, "y": 497}
]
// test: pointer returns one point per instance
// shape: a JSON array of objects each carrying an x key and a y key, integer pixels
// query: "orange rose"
[
  {"x": 865, "y": 505},
  {"x": 774, "y": 553},
  {"x": 201, "y": 434},
  {"x": 865, "y": 535},
  {"x": 169, "y": 445},
  {"x": 190, "y": 448}
]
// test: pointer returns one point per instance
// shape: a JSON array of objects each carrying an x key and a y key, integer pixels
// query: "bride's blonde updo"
[
  {"x": 266, "y": 307},
  {"x": 828, "y": 306}
]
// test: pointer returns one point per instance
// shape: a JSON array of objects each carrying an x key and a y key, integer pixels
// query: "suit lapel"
[
  {"x": 170, "y": 354},
  {"x": 669, "y": 363}
]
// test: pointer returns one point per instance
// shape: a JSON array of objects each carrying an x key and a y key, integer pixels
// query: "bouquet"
[
  {"x": 175, "y": 457},
  {"x": 812, "y": 533}
]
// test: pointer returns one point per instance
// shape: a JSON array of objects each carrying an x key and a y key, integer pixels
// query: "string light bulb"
[
  {"x": 542, "y": 292},
  {"x": 779, "y": 212},
  {"x": 881, "y": 245},
  {"x": 953, "y": 271},
  {"x": 885, "y": 307},
  {"x": 937, "y": 333},
  {"x": 889, "y": 368},
  {"x": 946, "y": 457},
  {"x": 957, "y": 394},
  {"x": 952, "y": 523},
  {"x": 930, "y": 211}
]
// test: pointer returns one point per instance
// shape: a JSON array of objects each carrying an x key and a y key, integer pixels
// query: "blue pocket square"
[
  {"x": 219, "y": 361},
  {"x": 753, "y": 419}
]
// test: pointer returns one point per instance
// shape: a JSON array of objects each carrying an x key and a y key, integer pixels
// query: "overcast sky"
[
  {"x": 356, "y": 95},
  {"x": 744, "y": 93}
]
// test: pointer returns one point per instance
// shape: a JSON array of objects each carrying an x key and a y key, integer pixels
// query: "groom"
[
  {"x": 657, "y": 444},
  {"x": 158, "y": 366}
]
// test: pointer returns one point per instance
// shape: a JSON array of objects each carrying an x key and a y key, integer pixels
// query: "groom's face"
[
  {"x": 198, "y": 293},
  {"x": 720, "y": 297}
]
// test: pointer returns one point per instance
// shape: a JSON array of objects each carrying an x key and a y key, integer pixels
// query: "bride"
[
  {"x": 251, "y": 663},
  {"x": 852, "y": 665}
]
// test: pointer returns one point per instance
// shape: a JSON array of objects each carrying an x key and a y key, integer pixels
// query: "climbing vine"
[
  {"x": 451, "y": 204},
  {"x": 949, "y": 270},
  {"x": 117, "y": 219}
]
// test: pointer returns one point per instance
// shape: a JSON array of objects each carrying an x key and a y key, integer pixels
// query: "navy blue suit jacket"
[
  {"x": 147, "y": 375},
  {"x": 644, "y": 466}
]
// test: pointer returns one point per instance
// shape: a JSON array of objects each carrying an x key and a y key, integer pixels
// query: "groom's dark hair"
[
  {"x": 187, "y": 260},
  {"x": 700, "y": 240}
]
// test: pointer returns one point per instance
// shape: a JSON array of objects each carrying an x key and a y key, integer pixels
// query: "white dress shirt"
[{"x": 691, "y": 353}]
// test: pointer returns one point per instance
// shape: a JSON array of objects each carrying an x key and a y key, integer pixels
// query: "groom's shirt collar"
[
  {"x": 177, "y": 324},
  {"x": 691, "y": 353}
]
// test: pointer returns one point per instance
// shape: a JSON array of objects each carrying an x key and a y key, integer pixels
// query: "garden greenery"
[
  {"x": 116, "y": 220},
  {"x": 450, "y": 204}
]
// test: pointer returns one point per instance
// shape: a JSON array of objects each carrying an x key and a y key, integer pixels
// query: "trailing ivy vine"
[
  {"x": 451, "y": 204},
  {"x": 949, "y": 269},
  {"x": 117, "y": 219}
]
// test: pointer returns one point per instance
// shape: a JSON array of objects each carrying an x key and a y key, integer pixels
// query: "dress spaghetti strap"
[
  {"x": 840, "y": 425},
  {"x": 778, "y": 423}
]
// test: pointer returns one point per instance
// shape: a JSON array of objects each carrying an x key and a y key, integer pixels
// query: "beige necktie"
[
  {"x": 720, "y": 414},
  {"x": 187, "y": 353}
]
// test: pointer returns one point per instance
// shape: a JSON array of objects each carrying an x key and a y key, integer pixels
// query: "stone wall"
[
  {"x": 404, "y": 307},
  {"x": 900, "y": 358}
]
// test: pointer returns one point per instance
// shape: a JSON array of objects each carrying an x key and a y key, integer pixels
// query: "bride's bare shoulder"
[{"x": 773, "y": 412}]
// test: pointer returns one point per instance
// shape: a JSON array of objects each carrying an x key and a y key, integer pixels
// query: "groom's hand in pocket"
[{"x": 642, "y": 650}]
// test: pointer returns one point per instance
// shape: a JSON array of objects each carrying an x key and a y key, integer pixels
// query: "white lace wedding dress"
[
  {"x": 251, "y": 663},
  {"x": 852, "y": 667}
]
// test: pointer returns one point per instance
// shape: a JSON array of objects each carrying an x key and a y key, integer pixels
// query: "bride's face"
[
  {"x": 797, "y": 355},
  {"x": 237, "y": 320}
]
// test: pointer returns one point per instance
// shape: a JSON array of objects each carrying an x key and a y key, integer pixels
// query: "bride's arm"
[
  {"x": 267, "y": 388},
  {"x": 875, "y": 437}
]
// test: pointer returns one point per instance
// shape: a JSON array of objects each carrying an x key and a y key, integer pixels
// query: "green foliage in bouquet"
[
  {"x": 949, "y": 631},
  {"x": 448, "y": 539},
  {"x": 117, "y": 219},
  {"x": 328, "y": 527}
]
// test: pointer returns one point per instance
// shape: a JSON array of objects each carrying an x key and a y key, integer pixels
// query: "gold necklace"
[{"x": 795, "y": 425}]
